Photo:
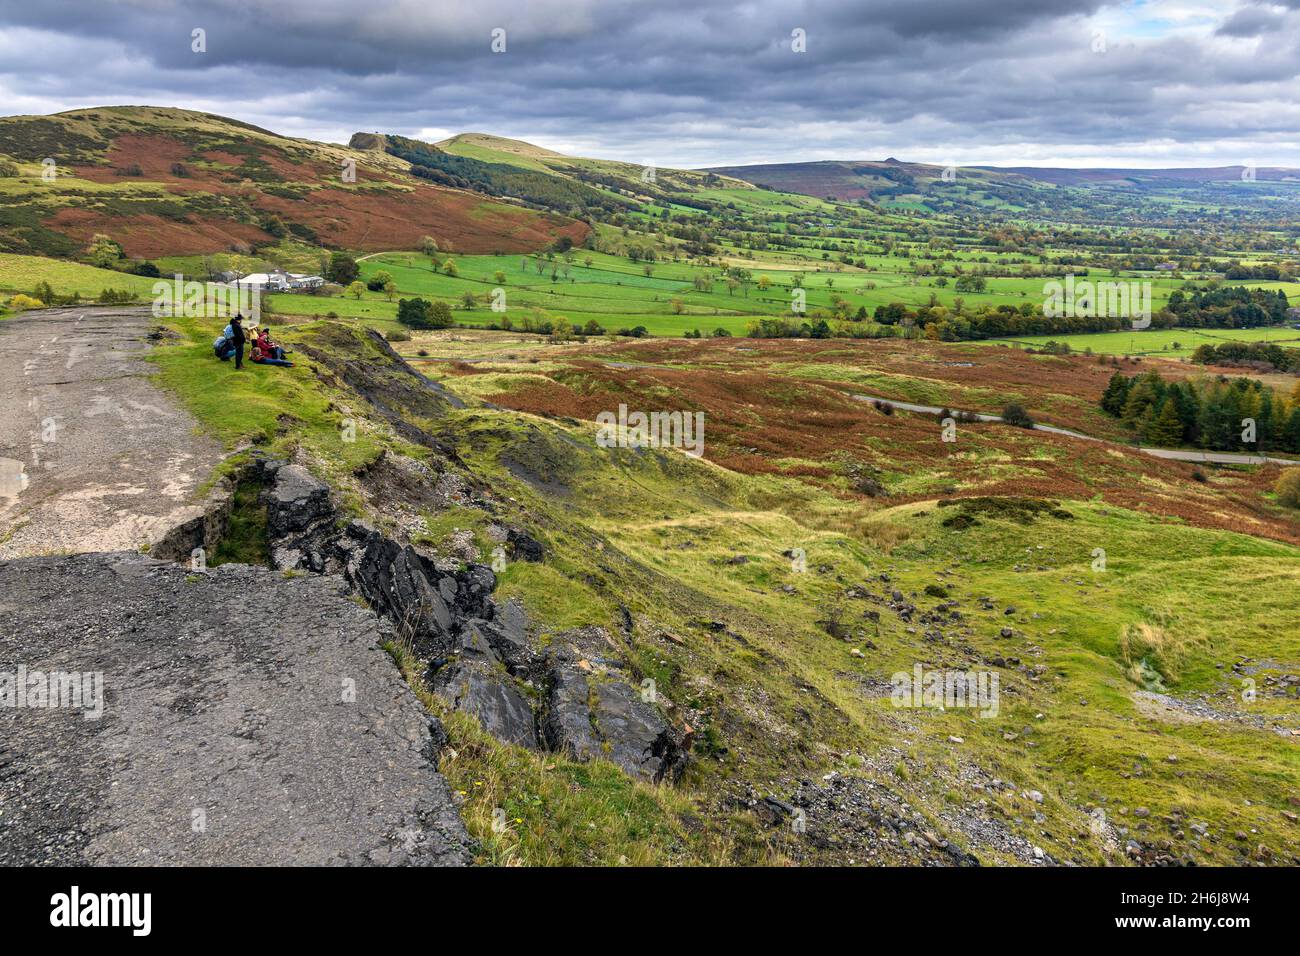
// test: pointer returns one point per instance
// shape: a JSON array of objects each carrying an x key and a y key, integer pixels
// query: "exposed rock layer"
[{"x": 574, "y": 696}]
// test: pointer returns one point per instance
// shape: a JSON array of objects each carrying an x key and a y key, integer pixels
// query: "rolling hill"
[
  {"x": 1100, "y": 195},
  {"x": 498, "y": 166},
  {"x": 174, "y": 182}
]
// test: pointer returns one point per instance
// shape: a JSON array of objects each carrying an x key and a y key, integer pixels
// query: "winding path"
[{"x": 1173, "y": 454}]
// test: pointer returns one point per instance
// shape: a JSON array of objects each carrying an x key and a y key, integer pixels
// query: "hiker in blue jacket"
[{"x": 231, "y": 342}]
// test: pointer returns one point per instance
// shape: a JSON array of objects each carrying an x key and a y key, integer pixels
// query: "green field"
[
  {"x": 22, "y": 273},
  {"x": 1171, "y": 343},
  {"x": 615, "y": 292}
]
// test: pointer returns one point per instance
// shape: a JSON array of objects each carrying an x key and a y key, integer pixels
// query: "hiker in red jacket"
[
  {"x": 269, "y": 348},
  {"x": 265, "y": 353}
]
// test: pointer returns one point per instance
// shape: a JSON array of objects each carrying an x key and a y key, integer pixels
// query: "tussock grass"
[{"x": 1165, "y": 648}]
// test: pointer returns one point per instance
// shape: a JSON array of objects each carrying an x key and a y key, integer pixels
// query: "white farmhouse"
[{"x": 277, "y": 280}]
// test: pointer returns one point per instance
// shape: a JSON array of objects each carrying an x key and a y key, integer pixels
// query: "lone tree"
[
  {"x": 104, "y": 251},
  {"x": 343, "y": 269},
  {"x": 1015, "y": 414},
  {"x": 1288, "y": 488},
  {"x": 440, "y": 315}
]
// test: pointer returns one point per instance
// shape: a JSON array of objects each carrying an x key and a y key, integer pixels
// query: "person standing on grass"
[{"x": 237, "y": 339}]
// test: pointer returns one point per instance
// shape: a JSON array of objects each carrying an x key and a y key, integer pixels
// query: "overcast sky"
[{"x": 700, "y": 82}]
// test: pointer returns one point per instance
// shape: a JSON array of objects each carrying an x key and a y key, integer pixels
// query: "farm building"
[{"x": 277, "y": 280}]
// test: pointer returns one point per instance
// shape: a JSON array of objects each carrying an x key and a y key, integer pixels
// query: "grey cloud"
[
  {"x": 1251, "y": 21},
  {"x": 684, "y": 82}
]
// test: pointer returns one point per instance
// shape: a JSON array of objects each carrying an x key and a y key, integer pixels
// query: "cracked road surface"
[
  {"x": 93, "y": 456},
  {"x": 248, "y": 719}
]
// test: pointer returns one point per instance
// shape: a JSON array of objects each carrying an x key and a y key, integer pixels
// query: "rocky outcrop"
[
  {"x": 575, "y": 696},
  {"x": 295, "y": 501},
  {"x": 473, "y": 687},
  {"x": 592, "y": 713},
  {"x": 523, "y": 546}
]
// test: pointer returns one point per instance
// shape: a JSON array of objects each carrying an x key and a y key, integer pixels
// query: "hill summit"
[{"x": 163, "y": 181}]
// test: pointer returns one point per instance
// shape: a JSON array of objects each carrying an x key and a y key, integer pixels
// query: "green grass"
[
  {"x": 22, "y": 273},
  {"x": 245, "y": 540},
  {"x": 1172, "y": 343},
  {"x": 655, "y": 533},
  {"x": 275, "y": 408},
  {"x": 615, "y": 292}
]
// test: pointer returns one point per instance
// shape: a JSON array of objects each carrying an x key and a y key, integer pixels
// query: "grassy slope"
[
  {"x": 1080, "y": 751},
  {"x": 560, "y": 812},
  {"x": 22, "y": 273},
  {"x": 1070, "y": 623},
  {"x": 783, "y": 699},
  {"x": 164, "y": 181}
]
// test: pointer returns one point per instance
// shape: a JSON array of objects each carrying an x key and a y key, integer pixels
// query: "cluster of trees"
[
  {"x": 422, "y": 314},
  {"x": 1265, "y": 356},
  {"x": 1239, "y": 414},
  {"x": 664, "y": 196},
  {"x": 1228, "y": 307},
  {"x": 382, "y": 281},
  {"x": 1267, "y": 271},
  {"x": 785, "y": 328},
  {"x": 955, "y": 324},
  {"x": 43, "y": 295}
]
